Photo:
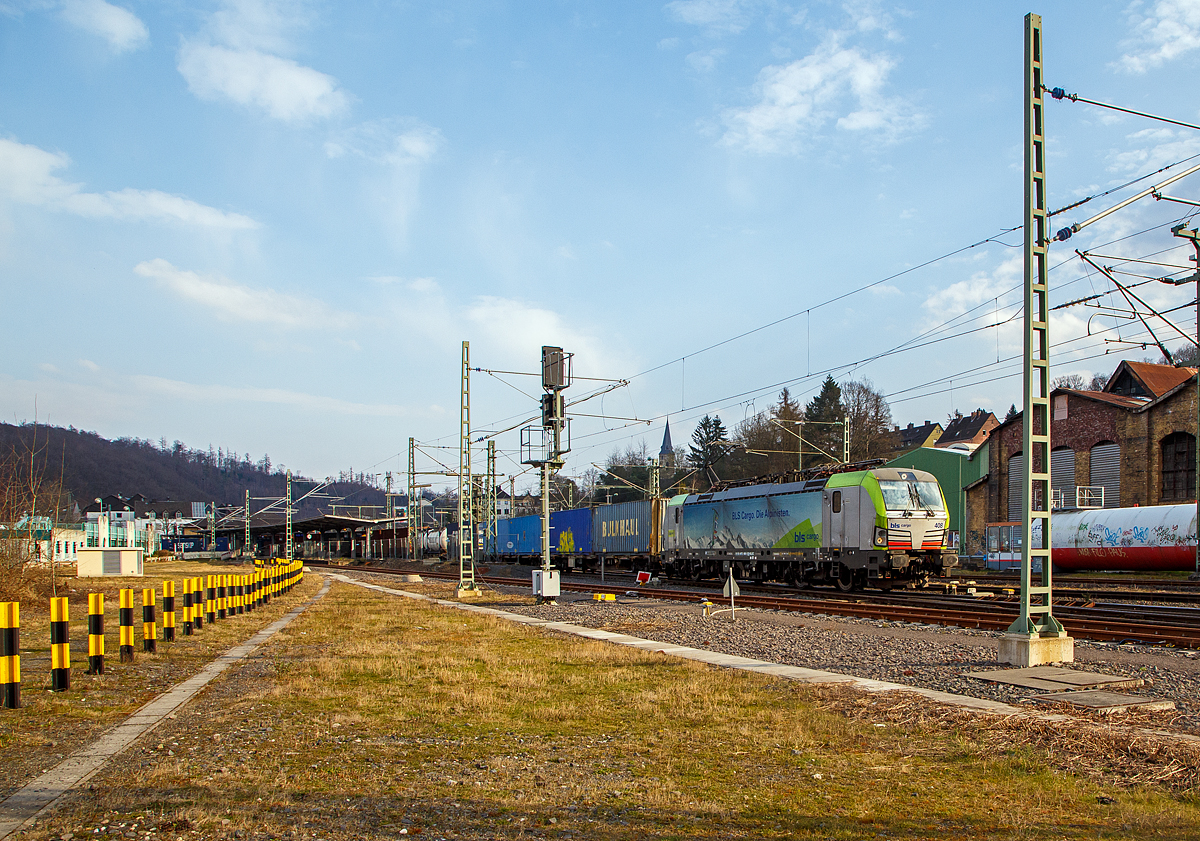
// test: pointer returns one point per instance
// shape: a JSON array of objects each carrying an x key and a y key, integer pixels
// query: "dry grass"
[
  {"x": 51, "y": 725},
  {"x": 378, "y": 717}
]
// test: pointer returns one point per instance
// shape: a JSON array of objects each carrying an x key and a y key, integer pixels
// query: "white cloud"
[
  {"x": 403, "y": 148},
  {"x": 715, "y": 15},
  {"x": 981, "y": 286},
  {"x": 27, "y": 177},
  {"x": 232, "y": 302},
  {"x": 278, "y": 86},
  {"x": 1170, "y": 29},
  {"x": 834, "y": 83},
  {"x": 120, "y": 27},
  {"x": 705, "y": 61},
  {"x": 265, "y": 25},
  {"x": 394, "y": 142},
  {"x": 242, "y": 57},
  {"x": 1153, "y": 148},
  {"x": 202, "y": 394}
]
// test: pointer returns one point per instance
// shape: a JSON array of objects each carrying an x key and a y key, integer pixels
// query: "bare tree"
[
  {"x": 1073, "y": 381},
  {"x": 1098, "y": 382},
  {"x": 870, "y": 420}
]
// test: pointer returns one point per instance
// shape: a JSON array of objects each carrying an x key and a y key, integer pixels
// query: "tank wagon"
[
  {"x": 880, "y": 527},
  {"x": 1150, "y": 538}
]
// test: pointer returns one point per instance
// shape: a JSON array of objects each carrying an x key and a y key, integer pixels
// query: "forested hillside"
[{"x": 91, "y": 466}]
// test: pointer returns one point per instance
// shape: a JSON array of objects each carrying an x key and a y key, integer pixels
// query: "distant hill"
[{"x": 93, "y": 467}]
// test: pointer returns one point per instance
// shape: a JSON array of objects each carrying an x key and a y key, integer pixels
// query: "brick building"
[{"x": 1136, "y": 440}]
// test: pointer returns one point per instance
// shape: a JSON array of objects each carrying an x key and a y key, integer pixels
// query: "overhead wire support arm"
[
  {"x": 1129, "y": 294},
  {"x": 1066, "y": 233},
  {"x": 1059, "y": 93}
]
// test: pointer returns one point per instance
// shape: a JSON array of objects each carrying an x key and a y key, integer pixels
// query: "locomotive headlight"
[{"x": 880, "y": 536}]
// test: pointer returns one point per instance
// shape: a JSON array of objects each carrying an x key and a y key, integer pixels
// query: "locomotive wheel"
[{"x": 845, "y": 578}]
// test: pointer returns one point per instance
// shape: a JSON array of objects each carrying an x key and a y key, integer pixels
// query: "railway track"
[{"x": 1147, "y": 625}]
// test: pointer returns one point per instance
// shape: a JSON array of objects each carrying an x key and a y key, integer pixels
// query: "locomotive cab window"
[
  {"x": 837, "y": 502},
  {"x": 903, "y": 495}
]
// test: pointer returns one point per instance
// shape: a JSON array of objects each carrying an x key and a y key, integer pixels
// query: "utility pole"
[
  {"x": 288, "y": 548},
  {"x": 845, "y": 439},
  {"x": 1181, "y": 230},
  {"x": 246, "y": 545},
  {"x": 545, "y": 447},
  {"x": 655, "y": 489},
  {"x": 414, "y": 521},
  {"x": 490, "y": 507},
  {"x": 212, "y": 526},
  {"x": 466, "y": 532},
  {"x": 1036, "y": 636}
]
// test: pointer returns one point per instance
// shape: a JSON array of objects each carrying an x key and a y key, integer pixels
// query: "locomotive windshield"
[{"x": 903, "y": 495}]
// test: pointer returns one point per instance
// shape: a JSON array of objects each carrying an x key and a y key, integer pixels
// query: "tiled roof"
[
  {"x": 964, "y": 428},
  {"x": 1157, "y": 379},
  {"x": 1104, "y": 397}
]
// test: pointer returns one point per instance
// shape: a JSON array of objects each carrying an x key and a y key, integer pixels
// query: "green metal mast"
[
  {"x": 466, "y": 537},
  {"x": 246, "y": 545},
  {"x": 490, "y": 496},
  {"x": 413, "y": 520},
  {"x": 289, "y": 549},
  {"x": 1036, "y": 618}
]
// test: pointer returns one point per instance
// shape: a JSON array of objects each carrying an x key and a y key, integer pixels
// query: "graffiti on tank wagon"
[{"x": 1100, "y": 535}]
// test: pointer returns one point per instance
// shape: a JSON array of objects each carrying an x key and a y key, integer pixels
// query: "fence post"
[
  {"x": 169, "y": 611},
  {"x": 210, "y": 600},
  {"x": 95, "y": 634},
  {"x": 125, "y": 616},
  {"x": 60, "y": 644},
  {"x": 149, "y": 622},
  {"x": 187, "y": 607},
  {"x": 10, "y": 653}
]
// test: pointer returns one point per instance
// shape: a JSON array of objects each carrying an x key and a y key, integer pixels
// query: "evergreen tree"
[
  {"x": 709, "y": 444},
  {"x": 1012, "y": 412},
  {"x": 823, "y": 438}
]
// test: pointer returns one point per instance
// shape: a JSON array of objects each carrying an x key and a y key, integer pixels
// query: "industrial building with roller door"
[{"x": 1136, "y": 439}]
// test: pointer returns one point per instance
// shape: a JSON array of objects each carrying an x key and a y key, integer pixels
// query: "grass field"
[{"x": 379, "y": 717}]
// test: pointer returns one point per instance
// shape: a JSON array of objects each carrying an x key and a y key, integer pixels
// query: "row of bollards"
[{"x": 206, "y": 599}]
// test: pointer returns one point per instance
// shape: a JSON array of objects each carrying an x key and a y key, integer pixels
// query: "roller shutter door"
[
  {"x": 1106, "y": 471},
  {"x": 1016, "y": 486},
  {"x": 1062, "y": 474}
]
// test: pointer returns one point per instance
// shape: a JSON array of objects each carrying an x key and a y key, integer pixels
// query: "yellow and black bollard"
[
  {"x": 149, "y": 622},
  {"x": 210, "y": 600},
  {"x": 95, "y": 634},
  {"x": 10, "y": 654},
  {"x": 169, "y": 611},
  {"x": 187, "y": 607},
  {"x": 198, "y": 603},
  {"x": 241, "y": 594},
  {"x": 125, "y": 616},
  {"x": 60, "y": 644}
]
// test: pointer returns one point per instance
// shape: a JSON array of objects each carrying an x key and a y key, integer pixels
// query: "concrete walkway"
[{"x": 39, "y": 796}]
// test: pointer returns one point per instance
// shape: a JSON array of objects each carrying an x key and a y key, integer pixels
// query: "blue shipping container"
[
  {"x": 519, "y": 536},
  {"x": 623, "y": 529},
  {"x": 571, "y": 532}
]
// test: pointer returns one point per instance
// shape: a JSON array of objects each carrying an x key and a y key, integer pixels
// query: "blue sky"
[{"x": 269, "y": 226}]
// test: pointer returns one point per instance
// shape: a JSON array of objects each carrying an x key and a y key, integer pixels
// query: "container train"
[{"x": 880, "y": 527}]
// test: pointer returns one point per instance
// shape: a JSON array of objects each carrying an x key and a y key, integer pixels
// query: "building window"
[{"x": 1178, "y": 467}]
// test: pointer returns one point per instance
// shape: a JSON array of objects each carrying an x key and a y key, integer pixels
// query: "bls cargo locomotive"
[{"x": 879, "y": 527}]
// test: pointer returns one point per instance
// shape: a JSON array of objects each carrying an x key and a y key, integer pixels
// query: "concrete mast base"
[{"x": 1026, "y": 650}]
